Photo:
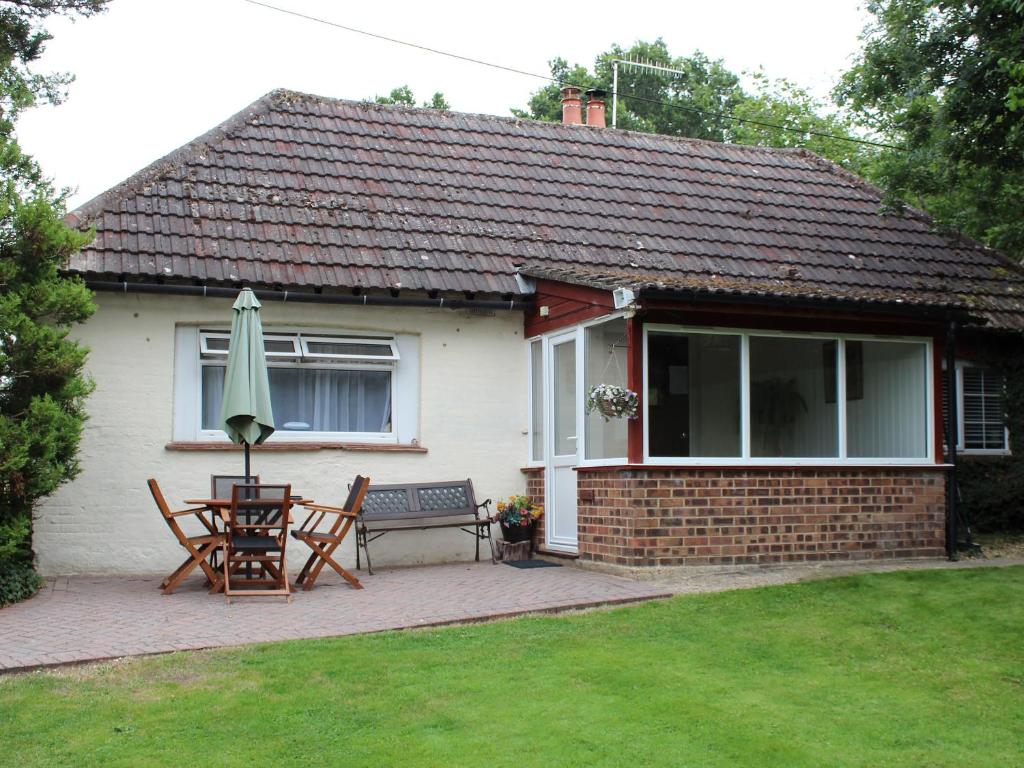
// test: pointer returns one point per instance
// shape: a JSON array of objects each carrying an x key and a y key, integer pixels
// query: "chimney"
[
  {"x": 595, "y": 107},
  {"x": 571, "y": 106}
]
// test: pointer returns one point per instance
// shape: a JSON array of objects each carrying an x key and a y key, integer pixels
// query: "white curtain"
[
  {"x": 314, "y": 399},
  {"x": 328, "y": 400},
  {"x": 213, "y": 395}
]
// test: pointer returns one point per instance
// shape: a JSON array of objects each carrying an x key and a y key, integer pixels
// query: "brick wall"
[
  {"x": 535, "y": 490},
  {"x": 673, "y": 516}
]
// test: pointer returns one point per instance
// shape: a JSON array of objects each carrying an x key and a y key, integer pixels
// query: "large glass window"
[
  {"x": 793, "y": 408},
  {"x": 886, "y": 407},
  {"x": 693, "y": 394},
  {"x": 605, "y": 363},
  {"x": 748, "y": 395}
]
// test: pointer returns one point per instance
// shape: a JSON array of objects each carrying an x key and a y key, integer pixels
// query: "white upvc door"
[{"x": 564, "y": 436}]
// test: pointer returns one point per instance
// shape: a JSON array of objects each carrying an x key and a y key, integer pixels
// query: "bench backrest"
[{"x": 406, "y": 501}]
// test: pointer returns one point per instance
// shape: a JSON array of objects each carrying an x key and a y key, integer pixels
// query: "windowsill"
[
  {"x": 758, "y": 467},
  {"x": 296, "y": 446}
]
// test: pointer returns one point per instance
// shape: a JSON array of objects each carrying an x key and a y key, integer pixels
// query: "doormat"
[{"x": 532, "y": 564}]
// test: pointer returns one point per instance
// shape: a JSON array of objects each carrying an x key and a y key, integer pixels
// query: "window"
[
  {"x": 739, "y": 396},
  {"x": 885, "y": 412},
  {"x": 981, "y": 414},
  {"x": 323, "y": 385},
  {"x": 537, "y": 400},
  {"x": 605, "y": 363},
  {"x": 790, "y": 409},
  {"x": 693, "y": 394}
]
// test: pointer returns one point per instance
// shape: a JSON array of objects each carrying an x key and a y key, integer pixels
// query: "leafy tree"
[
  {"x": 945, "y": 78},
  {"x": 701, "y": 102},
  {"x": 42, "y": 386},
  {"x": 403, "y": 95}
]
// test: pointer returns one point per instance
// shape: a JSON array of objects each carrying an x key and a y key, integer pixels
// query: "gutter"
[{"x": 307, "y": 297}]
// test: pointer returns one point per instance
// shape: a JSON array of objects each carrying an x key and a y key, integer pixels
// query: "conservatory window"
[{"x": 737, "y": 395}]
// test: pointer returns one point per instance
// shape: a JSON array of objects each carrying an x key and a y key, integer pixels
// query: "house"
[{"x": 440, "y": 292}]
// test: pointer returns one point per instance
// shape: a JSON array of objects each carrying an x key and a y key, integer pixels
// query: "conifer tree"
[{"x": 42, "y": 382}]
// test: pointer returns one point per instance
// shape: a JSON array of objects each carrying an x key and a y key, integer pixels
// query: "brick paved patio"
[{"x": 77, "y": 619}]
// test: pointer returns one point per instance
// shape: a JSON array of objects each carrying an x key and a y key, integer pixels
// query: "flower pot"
[{"x": 516, "y": 533}]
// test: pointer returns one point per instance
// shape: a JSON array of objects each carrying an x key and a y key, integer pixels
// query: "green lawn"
[{"x": 900, "y": 669}]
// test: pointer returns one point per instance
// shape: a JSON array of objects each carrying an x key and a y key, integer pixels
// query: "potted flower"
[
  {"x": 612, "y": 402},
  {"x": 518, "y": 517}
]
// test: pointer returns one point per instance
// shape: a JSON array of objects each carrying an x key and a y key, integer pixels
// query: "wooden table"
[{"x": 220, "y": 508}]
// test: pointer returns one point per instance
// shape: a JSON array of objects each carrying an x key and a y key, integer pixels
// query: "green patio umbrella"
[{"x": 246, "y": 414}]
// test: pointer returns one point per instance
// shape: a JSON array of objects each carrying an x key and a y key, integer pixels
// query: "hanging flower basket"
[{"x": 612, "y": 402}]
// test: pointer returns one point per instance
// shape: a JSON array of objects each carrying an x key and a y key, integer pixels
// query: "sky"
[{"x": 153, "y": 74}]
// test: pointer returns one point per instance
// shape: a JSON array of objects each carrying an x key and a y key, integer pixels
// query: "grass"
[{"x": 899, "y": 669}]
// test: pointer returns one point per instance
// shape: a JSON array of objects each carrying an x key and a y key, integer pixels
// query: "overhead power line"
[{"x": 557, "y": 81}]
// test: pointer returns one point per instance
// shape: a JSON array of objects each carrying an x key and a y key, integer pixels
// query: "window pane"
[
  {"x": 213, "y": 395},
  {"x": 348, "y": 348},
  {"x": 279, "y": 346},
  {"x": 605, "y": 364},
  {"x": 693, "y": 394},
  {"x": 326, "y": 400},
  {"x": 565, "y": 398},
  {"x": 886, "y": 400},
  {"x": 984, "y": 424},
  {"x": 793, "y": 410},
  {"x": 311, "y": 399},
  {"x": 537, "y": 400},
  {"x": 217, "y": 343}
]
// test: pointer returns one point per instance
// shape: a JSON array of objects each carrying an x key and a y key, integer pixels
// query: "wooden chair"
[
  {"x": 324, "y": 543},
  {"x": 220, "y": 488},
  {"x": 200, "y": 548},
  {"x": 256, "y": 535},
  {"x": 220, "y": 485}
]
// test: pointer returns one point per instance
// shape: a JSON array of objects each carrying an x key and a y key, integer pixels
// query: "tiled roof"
[{"x": 305, "y": 192}]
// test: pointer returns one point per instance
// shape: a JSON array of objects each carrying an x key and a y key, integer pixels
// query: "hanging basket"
[{"x": 612, "y": 402}]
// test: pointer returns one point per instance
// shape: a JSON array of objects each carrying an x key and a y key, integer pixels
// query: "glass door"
[{"x": 563, "y": 443}]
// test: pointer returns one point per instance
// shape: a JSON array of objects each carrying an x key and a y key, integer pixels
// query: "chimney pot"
[
  {"x": 595, "y": 107},
  {"x": 572, "y": 106}
]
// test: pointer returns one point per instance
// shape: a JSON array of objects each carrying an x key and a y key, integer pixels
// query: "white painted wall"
[{"x": 473, "y": 421}]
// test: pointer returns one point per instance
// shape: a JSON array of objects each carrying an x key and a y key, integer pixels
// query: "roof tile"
[{"x": 307, "y": 192}]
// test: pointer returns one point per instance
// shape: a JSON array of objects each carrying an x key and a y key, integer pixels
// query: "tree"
[
  {"x": 42, "y": 385},
  {"x": 403, "y": 95},
  {"x": 945, "y": 78},
  {"x": 702, "y": 103}
]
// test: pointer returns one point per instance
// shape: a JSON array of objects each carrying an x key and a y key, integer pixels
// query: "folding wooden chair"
[
  {"x": 200, "y": 548},
  {"x": 326, "y": 542},
  {"x": 256, "y": 535}
]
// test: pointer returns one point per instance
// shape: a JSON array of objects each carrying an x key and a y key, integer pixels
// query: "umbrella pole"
[{"x": 246, "y": 463}]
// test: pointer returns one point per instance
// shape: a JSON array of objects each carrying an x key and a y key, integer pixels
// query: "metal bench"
[{"x": 420, "y": 507}]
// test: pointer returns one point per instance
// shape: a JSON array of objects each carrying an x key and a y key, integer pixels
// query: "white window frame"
[
  {"x": 745, "y": 458},
  {"x": 192, "y": 354},
  {"x": 531, "y": 460},
  {"x": 581, "y": 395},
  {"x": 960, "y": 433},
  {"x": 389, "y": 342}
]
